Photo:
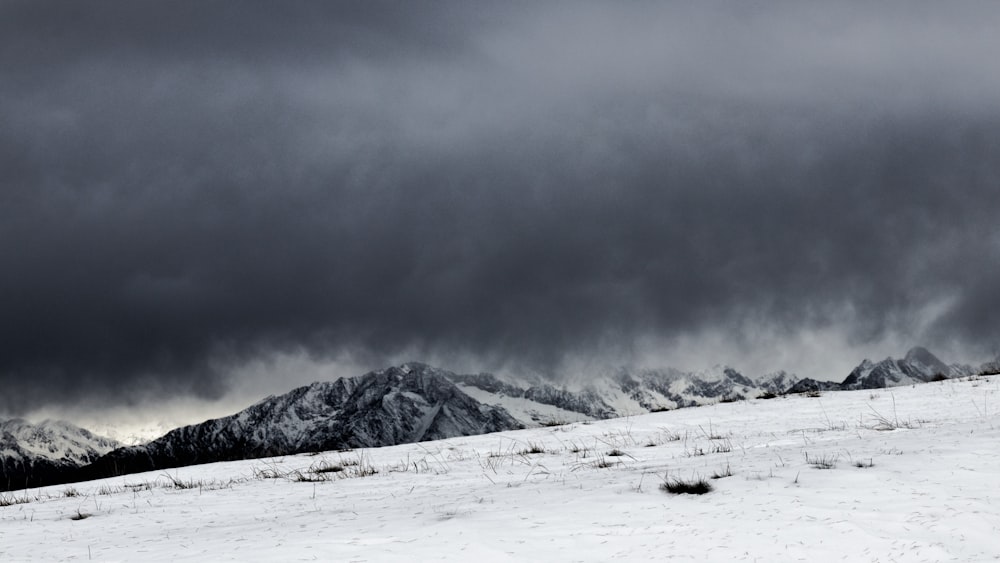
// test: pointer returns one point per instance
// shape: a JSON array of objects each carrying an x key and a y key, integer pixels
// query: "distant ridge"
[
  {"x": 919, "y": 365},
  {"x": 620, "y": 393},
  {"x": 415, "y": 402}
]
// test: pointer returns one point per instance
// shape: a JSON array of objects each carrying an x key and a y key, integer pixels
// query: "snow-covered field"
[{"x": 908, "y": 474}]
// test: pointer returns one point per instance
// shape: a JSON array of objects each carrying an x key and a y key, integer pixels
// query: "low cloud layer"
[{"x": 188, "y": 190}]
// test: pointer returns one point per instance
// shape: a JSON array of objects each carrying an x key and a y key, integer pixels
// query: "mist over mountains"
[{"x": 415, "y": 402}]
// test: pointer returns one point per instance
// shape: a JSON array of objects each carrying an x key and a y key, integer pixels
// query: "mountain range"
[
  {"x": 414, "y": 402},
  {"x": 919, "y": 365},
  {"x": 404, "y": 404}
]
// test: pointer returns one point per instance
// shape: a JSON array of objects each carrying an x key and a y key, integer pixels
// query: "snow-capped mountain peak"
[
  {"x": 52, "y": 440},
  {"x": 777, "y": 382},
  {"x": 412, "y": 402},
  {"x": 918, "y": 366},
  {"x": 34, "y": 453},
  {"x": 922, "y": 361}
]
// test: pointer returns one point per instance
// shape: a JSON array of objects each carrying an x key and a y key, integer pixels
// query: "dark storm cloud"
[{"x": 192, "y": 185}]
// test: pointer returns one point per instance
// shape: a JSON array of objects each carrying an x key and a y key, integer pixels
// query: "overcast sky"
[{"x": 200, "y": 200}]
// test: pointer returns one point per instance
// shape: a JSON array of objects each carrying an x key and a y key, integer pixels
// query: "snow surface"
[
  {"x": 930, "y": 493},
  {"x": 524, "y": 410}
]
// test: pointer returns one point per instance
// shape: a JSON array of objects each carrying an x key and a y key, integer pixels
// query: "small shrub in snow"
[
  {"x": 309, "y": 477},
  {"x": 681, "y": 487},
  {"x": 727, "y": 472},
  {"x": 364, "y": 471},
  {"x": 327, "y": 467},
  {"x": 723, "y": 447},
  {"x": 268, "y": 473},
  {"x": 662, "y": 437},
  {"x": 884, "y": 423},
  {"x": 80, "y": 515},
  {"x": 822, "y": 462},
  {"x": 711, "y": 434},
  {"x": 136, "y": 487},
  {"x": 532, "y": 448},
  {"x": 604, "y": 463},
  {"x": 177, "y": 483},
  {"x": 12, "y": 499}
]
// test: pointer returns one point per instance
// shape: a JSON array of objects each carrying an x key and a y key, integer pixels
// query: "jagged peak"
[
  {"x": 717, "y": 372},
  {"x": 922, "y": 355},
  {"x": 780, "y": 375},
  {"x": 409, "y": 367},
  {"x": 916, "y": 354}
]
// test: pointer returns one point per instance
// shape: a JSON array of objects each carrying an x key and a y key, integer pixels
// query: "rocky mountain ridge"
[
  {"x": 410, "y": 403},
  {"x": 403, "y": 404},
  {"x": 919, "y": 365}
]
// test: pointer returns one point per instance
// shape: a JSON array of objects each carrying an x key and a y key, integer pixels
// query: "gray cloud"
[{"x": 193, "y": 185}]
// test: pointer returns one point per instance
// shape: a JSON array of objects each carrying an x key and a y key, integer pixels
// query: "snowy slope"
[
  {"x": 524, "y": 410},
  {"x": 904, "y": 474}
]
